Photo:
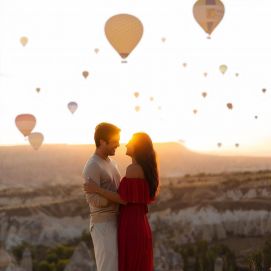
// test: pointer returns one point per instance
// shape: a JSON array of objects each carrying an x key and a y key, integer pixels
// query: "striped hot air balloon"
[{"x": 208, "y": 14}]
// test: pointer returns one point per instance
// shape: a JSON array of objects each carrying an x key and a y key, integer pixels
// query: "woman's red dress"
[{"x": 134, "y": 233}]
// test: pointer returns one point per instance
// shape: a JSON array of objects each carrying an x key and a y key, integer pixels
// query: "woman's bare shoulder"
[{"x": 134, "y": 171}]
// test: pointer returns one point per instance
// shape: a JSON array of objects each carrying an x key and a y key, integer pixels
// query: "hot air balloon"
[
  {"x": 137, "y": 108},
  {"x": 236, "y": 145},
  {"x": 35, "y": 139},
  {"x": 72, "y": 106},
  {"x": 37, "y": 90},
  {"x": 123, "y": 31},
  {"x": 229, "y": 105},
  {"x": 136, "y": 94},
  {"x": 85, "y": 74},
  {"x": 223, "y": 68},
  {"x": 208, "y": 14},
  {"x": 204, "y": 94},
  {"x": 96, "y": 50},
  {"x": 25, "y": 123},
  {"x": 219, "y": 144},
  {"x": 24, "y": 40}
]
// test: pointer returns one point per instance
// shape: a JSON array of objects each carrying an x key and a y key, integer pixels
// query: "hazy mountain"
[{"x": 64, "y": 163}]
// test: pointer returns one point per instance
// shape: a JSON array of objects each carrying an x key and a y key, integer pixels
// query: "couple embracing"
[{"x": 119, "y": 226}]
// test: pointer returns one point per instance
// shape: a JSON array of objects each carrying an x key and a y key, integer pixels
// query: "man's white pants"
[{"x": 104, "y": 237}]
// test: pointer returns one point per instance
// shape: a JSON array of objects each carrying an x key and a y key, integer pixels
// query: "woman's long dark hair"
[{"x": 145, "y": 156}]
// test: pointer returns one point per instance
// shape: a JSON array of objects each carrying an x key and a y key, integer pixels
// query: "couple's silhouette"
[{"x": 119, "y": 226}]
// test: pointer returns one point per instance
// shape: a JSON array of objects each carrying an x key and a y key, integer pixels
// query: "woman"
[{"x": 137, "y": 189}]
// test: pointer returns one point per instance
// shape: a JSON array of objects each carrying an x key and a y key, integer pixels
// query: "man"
[{"x": 103, "y": 213}]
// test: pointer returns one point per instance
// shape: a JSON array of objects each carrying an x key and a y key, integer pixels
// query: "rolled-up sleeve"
[{"x": 92, "y": 172}]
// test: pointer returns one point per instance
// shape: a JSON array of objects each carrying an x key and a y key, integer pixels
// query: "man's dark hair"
[{"x": 105, "y": 131}]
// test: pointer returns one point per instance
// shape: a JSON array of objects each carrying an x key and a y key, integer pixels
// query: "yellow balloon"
[
  {"x": 223, "y": 68},
  {"x": 35, "y": 139},
  {"x": 137, "y": 108},
  {"x": 123, "y": 32},
  {"x": 208, "y": 14},
  {"x": 24, "y": 40}
]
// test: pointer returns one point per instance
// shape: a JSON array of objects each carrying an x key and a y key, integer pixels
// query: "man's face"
[{"x": 112, "y": 144}]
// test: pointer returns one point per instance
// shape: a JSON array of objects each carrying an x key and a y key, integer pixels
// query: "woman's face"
[{"x": 130, "y": 148}]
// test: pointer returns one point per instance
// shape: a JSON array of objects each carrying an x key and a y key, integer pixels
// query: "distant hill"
[{"x": 20, "y": 165}]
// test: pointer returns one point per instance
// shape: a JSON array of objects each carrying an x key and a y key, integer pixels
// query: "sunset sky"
[{"x": 62, "y": 36}]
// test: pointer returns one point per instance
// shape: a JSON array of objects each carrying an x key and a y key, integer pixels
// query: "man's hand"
[{"x": 91, "y": 187}]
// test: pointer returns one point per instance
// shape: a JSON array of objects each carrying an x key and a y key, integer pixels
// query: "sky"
[{"x": 62, "y": 38}]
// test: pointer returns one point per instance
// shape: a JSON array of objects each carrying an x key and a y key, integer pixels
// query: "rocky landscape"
[
  {"x": 232, "y": 209},
  {"x": 226, "y": 213}
]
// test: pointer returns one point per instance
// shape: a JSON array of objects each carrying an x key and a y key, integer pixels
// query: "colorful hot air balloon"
[
  {"x": 25, "y": 123},
  {"x": 85, "y": 74},
  {"x": 223, "y": 68},
  {"x": 123, "y": 31},
  {"x": 208, "y": 14},
  {"x": 35, "y": 139},
  {"x": 72, "y": 106},
  {"x": 24, "y": 40}
]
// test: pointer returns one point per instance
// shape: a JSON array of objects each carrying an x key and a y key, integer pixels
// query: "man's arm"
[{"x": 91, "y": 172}]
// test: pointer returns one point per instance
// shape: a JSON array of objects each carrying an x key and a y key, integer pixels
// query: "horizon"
[{"x": 224, "y": 153}]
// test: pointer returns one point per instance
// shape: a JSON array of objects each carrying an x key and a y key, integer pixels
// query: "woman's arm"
[
  {"x": 92, "y": 187},
  {"x": 112, "y": 196}
]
